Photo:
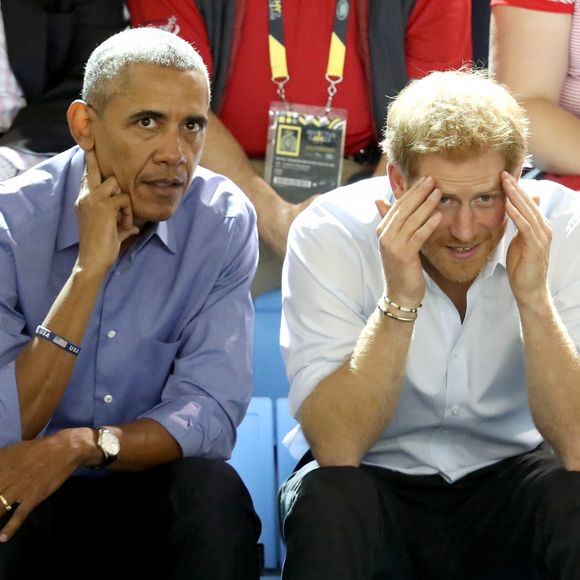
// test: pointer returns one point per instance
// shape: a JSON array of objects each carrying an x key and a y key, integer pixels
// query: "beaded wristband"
[
  {"x": 410, "y": 309},
  {"x": 58, "y": 340}
]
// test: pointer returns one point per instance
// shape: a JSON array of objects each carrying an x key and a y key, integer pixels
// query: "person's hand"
[
  {"x": 528, "y": 253},
  {"x": 31, "y": 471},
  {"x": 275, "y": 220},
  {"x": 104, "y": 216},
  {"x": 404, "y": 228}
]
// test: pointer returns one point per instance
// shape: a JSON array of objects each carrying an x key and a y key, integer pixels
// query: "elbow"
[
  {"x": 568, "y": 453},
  {"x": 335, "y": 455}
]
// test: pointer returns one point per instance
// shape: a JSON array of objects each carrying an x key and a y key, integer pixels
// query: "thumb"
[{"x": 383, "y": 206}]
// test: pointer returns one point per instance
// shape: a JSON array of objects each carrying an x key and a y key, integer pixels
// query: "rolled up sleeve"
[{"x": 206, "y": 396}]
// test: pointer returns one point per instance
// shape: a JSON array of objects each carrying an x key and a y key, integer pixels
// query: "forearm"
[
  {"x": 553, "y": 377},
  {"x": 349, "y": 410},
  {"x": 554, "y": 137},
  {"x": 43, "y": 369},
  {"x": 144, "y": 443}
]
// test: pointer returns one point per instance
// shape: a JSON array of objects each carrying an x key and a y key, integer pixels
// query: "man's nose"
[
  {"x": 464, "y": 226},
  {"x": 171, "y": 150}
]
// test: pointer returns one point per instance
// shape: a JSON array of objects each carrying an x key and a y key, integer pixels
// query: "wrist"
[
  {"x": 535, "y": 304},
  {"x": 82, "y": 443},
  {"x": 396, "y": 311}
]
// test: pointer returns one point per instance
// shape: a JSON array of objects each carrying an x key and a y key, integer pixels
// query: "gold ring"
[{"x": 7, "y": 506}]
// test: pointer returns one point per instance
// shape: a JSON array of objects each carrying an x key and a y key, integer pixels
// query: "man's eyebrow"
[
  {"x": 199, "y": 119},
  {"x": 146, "y": 113},
  {"x": 494, "y": 191},
  {"x": 157, "y": 115}
]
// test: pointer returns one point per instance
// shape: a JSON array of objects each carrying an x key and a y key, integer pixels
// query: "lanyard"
[{"x": 336, "y": 53}]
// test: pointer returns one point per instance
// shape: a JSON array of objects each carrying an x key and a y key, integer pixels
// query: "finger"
[
  {"x": 423, "y": 233},
  {"x": 527, "y": 206},
  {"x": 383, "y": 206},
  {"x": 527, "y": 232},
  {"x": 19, "y": 513},
  {"x": 422, "y": 214},
  {"x": 93, "y": 171},
  {"x": 416, "y": 192},
  {"x": 411, "y": 201}
]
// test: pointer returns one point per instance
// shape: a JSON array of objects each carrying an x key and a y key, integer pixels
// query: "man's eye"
[
  {"x": 444, "y": 200},
  {"x": 193, "y": 126},
  {"x": 485, "y": 197},
  {"x": 147, "y": 122}
]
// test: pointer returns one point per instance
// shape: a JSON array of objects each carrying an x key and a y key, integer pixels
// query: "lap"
[
  {"x": 126, "y": 515},
  {"x": 485, "y": 521}
]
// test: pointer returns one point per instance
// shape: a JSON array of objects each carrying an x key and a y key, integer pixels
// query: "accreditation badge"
[{"x": 305, "y": 149}]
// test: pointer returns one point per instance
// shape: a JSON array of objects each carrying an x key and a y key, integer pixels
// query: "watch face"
[{"x": 109, "y": 443}]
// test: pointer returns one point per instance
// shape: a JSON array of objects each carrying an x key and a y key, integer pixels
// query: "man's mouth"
[
  {"x": 165, "y": 185},
  {"x": 462, "y": 252}
]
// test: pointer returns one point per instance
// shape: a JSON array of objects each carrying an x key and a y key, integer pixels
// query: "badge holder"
[{"x": 305, "y": 149}]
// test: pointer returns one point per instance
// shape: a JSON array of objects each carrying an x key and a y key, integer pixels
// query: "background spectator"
[
  {"x": 43, "y": 49},
  {"x": 535, "y": 52}
]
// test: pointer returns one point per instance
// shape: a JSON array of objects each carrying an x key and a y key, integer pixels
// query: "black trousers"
[
  {"x": 191, "y": 519},
  {"x": 517, "y": 520}
]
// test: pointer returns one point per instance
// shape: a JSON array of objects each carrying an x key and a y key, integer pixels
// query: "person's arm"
[
  {"x": 347, "y": 410},
  {"x": 30, "y": 471},
  {"x": 551, "y": 361},
  {"x": 529, "y": 53},
  {"x": 40, "y": 127},
  {"x": 43, "y": 369}
]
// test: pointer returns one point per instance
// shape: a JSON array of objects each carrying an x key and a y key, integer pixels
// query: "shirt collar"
[{"x": 68, "y": 231}]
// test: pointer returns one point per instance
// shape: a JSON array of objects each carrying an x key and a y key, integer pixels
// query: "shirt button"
[
  {"x": 455, "y": 411},
  {"x": 455, "y": 354},
  {"x": 108, "y": 398},
  {"x": 111, "y": 334}
]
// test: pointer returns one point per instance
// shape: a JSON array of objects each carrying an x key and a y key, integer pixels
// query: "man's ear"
[
  {"x": 396, "y": 180},
  {"x": 81, "y": 125}
]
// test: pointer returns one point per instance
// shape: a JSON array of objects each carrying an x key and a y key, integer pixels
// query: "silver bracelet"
[
  {"x": 394, "y": 316},
  {"x": 388, "y": 302}
]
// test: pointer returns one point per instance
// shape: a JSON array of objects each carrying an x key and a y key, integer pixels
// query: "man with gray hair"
[
  {"x": 431, "y": 330},
  {"x": 125, "y": 336}
]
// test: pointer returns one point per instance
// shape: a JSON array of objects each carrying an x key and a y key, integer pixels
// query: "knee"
[
  {"x": 562, "y": 502},
  {"x": 209, "y": 482},
  {"x": 331, "y": 494}
]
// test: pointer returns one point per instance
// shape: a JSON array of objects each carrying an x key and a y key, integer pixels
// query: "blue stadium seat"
[
  {"x": 253, "y": 459},
  {"x": 269, "y": 372}
]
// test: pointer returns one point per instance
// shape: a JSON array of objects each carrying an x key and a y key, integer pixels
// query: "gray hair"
[{"x": 146, "y": 45}]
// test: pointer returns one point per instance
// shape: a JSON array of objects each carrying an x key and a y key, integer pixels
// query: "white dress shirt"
[{"x": 463, "y": 404}]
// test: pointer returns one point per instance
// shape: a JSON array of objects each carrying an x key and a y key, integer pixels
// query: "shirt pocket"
[{"x": 154, "y": 364}]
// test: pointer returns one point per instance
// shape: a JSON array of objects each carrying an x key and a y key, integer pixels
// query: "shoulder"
[
  {"x": 349, "y": 211},
  {"x": 213, "y": 204},
  {"x": 561, "y": 206},
  {"x": 217, "y": 194}
]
